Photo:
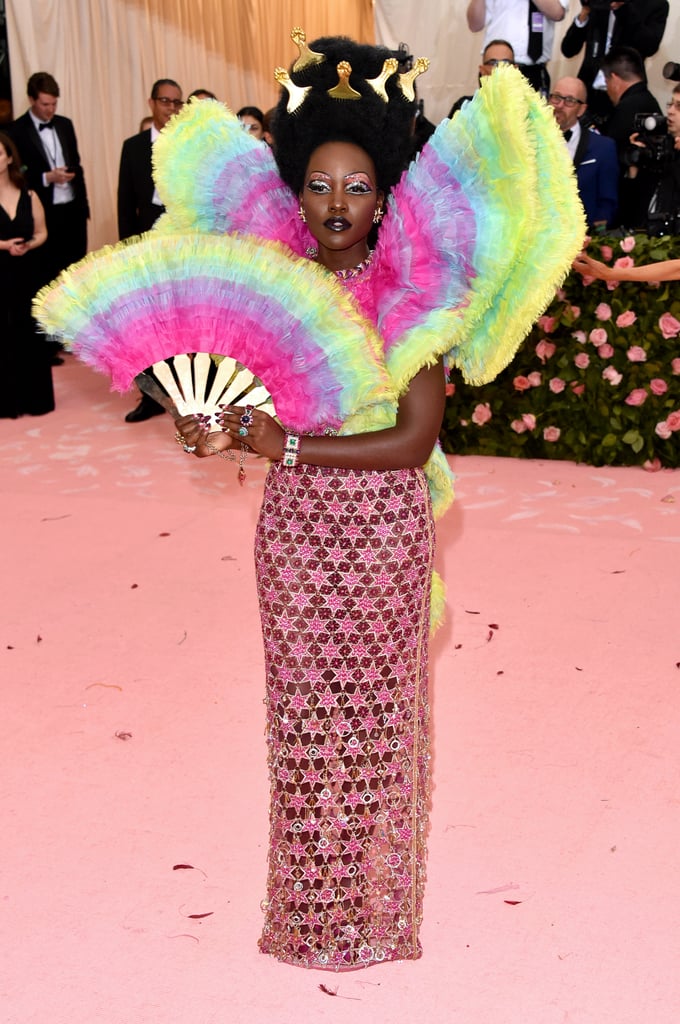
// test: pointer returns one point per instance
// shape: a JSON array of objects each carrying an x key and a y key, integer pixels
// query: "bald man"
[{"x": 594, "y": 156}]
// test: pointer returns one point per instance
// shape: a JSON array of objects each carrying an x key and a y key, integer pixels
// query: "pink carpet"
[{"x": 134, "y": 789}]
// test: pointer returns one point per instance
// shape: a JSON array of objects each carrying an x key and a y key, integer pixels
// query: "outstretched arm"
[
  {"x": 407, "y": 444},
  {"x": 476, "y": 15},
  {"x": 667, "y": 270}
]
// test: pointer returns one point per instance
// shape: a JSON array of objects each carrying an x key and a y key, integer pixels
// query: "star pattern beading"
[{"x": 344, "y": 561}]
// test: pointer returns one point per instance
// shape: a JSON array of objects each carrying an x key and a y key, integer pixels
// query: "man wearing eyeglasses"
[
  {"x": 495, "y": 53},
  {"x": 529, "y": 27},
  {"x": 594, "y": 156},
  {"x": 139, "y": 205}
]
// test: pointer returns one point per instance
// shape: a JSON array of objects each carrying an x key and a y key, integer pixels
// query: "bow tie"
[
  {"x": 567, "y": 135},
  {"x": 47, "y": 124}
]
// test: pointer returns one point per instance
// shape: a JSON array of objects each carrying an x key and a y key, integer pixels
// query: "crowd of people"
[
  {"x": 628, "y": 175},
  {"x": 627, "y": 178},
  {"x": 44, "y": 212}
]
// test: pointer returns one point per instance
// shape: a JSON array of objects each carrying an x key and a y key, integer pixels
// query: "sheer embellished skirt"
[{"x": 344, "y": 564}]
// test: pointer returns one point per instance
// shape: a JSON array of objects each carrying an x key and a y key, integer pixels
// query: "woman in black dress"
[{"x": 25, "y": 370}]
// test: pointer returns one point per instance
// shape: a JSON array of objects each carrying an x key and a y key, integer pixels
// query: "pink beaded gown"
[{"x": 344, "y": 563}]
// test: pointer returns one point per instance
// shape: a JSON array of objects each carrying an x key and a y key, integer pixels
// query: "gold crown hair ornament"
[
  {"x": 407, "y": 79},
  {"x": 307, "y": 57},
  {"x": 343, "y": 90},
  {"x": 378, "y": 84},
  {"x": 296, "y": 93}
]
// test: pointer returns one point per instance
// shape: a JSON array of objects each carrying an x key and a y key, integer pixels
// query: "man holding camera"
[
  {"x": 626, "y": 82},
  {"x": 663, "y": 216},
  {"x": 602, "y": 25}
]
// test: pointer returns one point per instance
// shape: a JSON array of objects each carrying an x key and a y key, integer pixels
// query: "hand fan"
[{"x": 287, "y": 327}]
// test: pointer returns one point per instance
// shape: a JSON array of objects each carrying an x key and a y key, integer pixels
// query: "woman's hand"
[
  {"x": 195, "y": 433},
  {"x": 593, "y": 268},
  {"x": 14, "y": 246},
  {"x": 263, "y": 434}
]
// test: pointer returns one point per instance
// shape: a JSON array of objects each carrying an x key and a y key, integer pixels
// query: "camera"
[
  {"x": 660, "y": 225},
  {"x": 652, "y": 132}
]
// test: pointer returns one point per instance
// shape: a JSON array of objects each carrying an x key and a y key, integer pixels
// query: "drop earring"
[
  {"x": 378, "y": 215},
  {"x": 301, "y": 214}
]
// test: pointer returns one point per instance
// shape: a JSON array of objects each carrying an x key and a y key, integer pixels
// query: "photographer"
[
  {"x": 626, "y": 82},
  {"x": 664, "y": 209},
  {"x": 602, "y": 25}
]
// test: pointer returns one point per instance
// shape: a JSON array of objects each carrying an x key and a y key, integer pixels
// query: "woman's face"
[
  {"x": 339, "y": 198},
  {"x": 5, "y": 157},
  {"x": 251, "y": 125}
]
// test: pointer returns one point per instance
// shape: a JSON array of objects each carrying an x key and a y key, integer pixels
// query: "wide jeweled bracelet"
[{"x": 291, "y": 450}]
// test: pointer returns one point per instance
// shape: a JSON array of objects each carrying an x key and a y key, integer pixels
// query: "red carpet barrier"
[{"x": 596, "y": 381}]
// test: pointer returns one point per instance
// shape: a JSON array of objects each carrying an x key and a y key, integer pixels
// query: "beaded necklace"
[{"x": 343, "y": 275}]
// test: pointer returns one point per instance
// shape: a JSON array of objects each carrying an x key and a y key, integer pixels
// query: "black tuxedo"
[
  {"x": 66, "y": 223},
  {"x": 136, "y": 212},
  {"x": 640, "y": 24}
]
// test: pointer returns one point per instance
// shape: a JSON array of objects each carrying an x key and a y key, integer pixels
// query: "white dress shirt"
[{"x": 509, "y": 20}]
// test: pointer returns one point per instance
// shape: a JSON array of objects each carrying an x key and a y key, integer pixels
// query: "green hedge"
[{"x": 606, "y": 398}]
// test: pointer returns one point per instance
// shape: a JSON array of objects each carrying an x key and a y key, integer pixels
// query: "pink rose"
[
  {"x": 450, "y": 388},
  {"x": 547, "y": 323},
  {"x": 658, "y": 386},
  {"x": 556, "y": 385},
  {"x": 675, "y": 366},
  {"x": 636, "y": 354},
  {"x": 673, "y": 421},
  {"x": 626, "y": 319},
  {"x": 587, "y": 280},
  {"x": 560, "y": 295},
  {"x": 603, "y": 311},
  {"x": 519, "y": 427},
  {"x": 582, "y": 360},
  {"x": 637, "y": 397},
  {"x": 464, "y": 423},
  {"x": 576, "y": 312},
  {"x": 612, "y": 285},
  {"x": 612, "y": 375},
  {"x": 627, "y": 243},
  {"x": 606, "y": 252},
  {"x": 577, "y": 389},
  {"x": 669, "y": 326},
  {"x": 580, "y": 337},
  {"x": 605, "y": 351},
  {"x": 551, "y": 434},
  {"x": 545, "y": 350},
  {"x": 652, "y": 465},
  {"x": 534, "y": 379},
  {"x": 598, "y": 336},
  {"x": 624, "y": 262},
  {"x": 662, "y": 430},
  {"x": 521, "y": 383},
  {"x": 482, "y": 414},
  {"x": 529, "y": 420}
]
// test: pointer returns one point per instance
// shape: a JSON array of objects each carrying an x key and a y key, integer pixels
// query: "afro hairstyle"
[{"x": 383, "y": 130}]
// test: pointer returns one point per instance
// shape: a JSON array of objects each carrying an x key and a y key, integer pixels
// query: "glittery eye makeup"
[
  {"x": 358, "y": 184},
  {"x": 319, "y": 183}
]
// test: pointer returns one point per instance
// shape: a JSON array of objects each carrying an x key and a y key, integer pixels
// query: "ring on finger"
[
  {"x": 180, "y": 438},
  {"x": 189, "y": 448},
  {"x": 243, "y": 431}
]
